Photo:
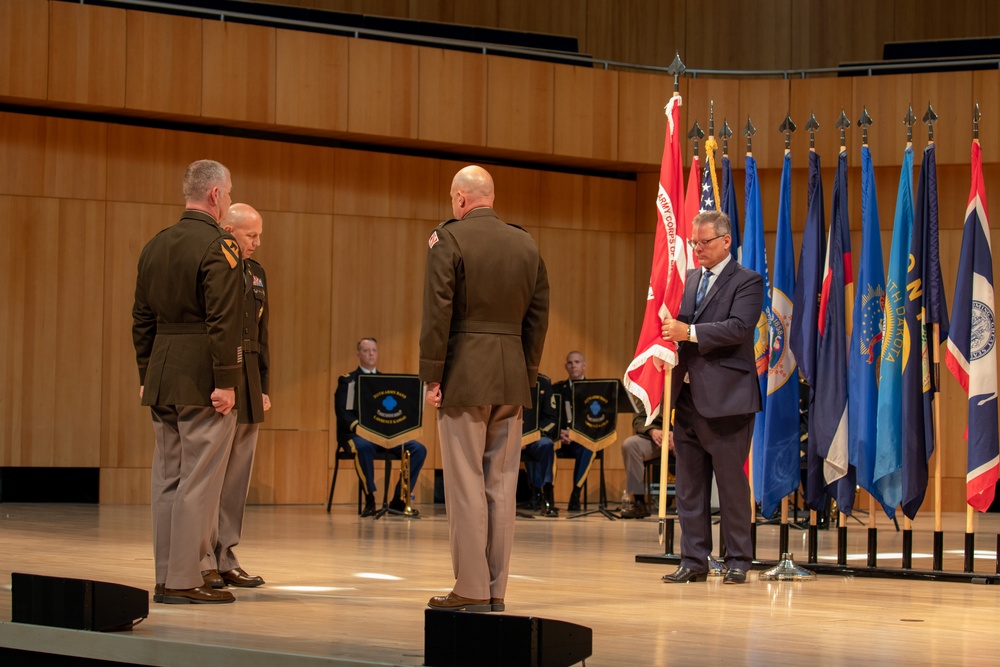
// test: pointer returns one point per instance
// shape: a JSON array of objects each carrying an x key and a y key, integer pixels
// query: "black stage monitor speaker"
[
  {"x": 458, "y": 639},
  {"x": 79, "y": 604}
]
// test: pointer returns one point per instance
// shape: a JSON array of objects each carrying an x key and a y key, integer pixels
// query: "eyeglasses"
[{"x": 698, "y": 244}]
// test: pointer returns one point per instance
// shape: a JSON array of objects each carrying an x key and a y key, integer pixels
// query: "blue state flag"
[
  {"x": 828, "y": 419},
  {"x": 776, "y": 456},
  {"x": 866, "y": 338},
  {"x": 805, "y": 316},
  {"x": 887, "y": 474},
  {"x": 728, "y": 204},
  {"x": 755, "y": 257},
  {"x": 925, "y": 305}
]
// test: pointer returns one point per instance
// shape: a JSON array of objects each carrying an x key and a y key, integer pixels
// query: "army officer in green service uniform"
[{"x": 187, "y": 331}]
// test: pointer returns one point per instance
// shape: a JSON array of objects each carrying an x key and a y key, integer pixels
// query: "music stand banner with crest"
[
  {"x": 596, "y": 404},
  {"x": 390, "y": 408}
]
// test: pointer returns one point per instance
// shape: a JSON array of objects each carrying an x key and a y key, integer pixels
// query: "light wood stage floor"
[{"x": 344, "y": 590}]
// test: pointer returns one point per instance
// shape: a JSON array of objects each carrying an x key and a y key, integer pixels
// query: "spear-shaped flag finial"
[
  {"x": 696, "y": 133},
  {"x": 749, "y": 131},
  {"x": 711, "y": 118},
  {"x": 930, "y": 118},
  {"x": 976, "y": 115},
  {"x": 909, "y": 120},
  {"x": 812, "y": 127},
  {"x": 864, "y": 123},
  {"x": 842, "y": 124},
  {"x": 676, "y": 68},
  {"x": 787, "y": 126},
  {"x": 725, "y": 133}
]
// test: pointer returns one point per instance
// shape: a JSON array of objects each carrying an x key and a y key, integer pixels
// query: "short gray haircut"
[
  {"x": 201, "y": 176},
  {"x": 719, "y": 221}
]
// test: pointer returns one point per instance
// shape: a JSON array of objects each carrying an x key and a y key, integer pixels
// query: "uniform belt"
[
  {"x": 251, "y": 346},
  {"x": 182, "y": 328},
  {"x": 479, "y": 326}
]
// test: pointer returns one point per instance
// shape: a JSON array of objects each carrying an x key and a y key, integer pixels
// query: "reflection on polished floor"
[{"x": 343, "y": 590}]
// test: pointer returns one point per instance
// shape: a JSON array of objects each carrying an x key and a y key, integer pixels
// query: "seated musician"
[
  {"x": 576, "y": 369},
  {"x": 540, "y": 454},
  {"x": 346, "y": 403}
]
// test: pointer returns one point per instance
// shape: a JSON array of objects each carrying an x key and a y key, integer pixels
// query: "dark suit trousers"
[{"x": 702, "y": 446}]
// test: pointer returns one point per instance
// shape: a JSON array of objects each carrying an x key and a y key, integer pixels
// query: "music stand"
[
  {"x": 530, "y": 432},
  {"x": 594, "y": 424},
  {"x": 390, "y": 413}
]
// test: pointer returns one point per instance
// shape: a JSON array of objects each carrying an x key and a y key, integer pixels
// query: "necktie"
[{"x": 702, "y": 289}]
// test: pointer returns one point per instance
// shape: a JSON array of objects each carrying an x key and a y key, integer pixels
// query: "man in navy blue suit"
[{"x": 715, "y": 395}]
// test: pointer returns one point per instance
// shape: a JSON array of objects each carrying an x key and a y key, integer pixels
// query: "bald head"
[
  {"x": 246, "y": 225},
  {"x": 471, "y": 188}
]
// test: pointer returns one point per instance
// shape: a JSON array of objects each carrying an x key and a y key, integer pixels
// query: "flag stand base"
[
  {"x": 787, "y": 570},
  {"x": 848, "y": 571}
]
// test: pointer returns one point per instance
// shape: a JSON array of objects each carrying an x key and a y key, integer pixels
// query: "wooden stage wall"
[{"x": 86, "y": 179}]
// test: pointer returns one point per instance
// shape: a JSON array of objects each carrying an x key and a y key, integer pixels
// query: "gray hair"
[
  {"x": 201, "y": 176},
  {"x": 719, "y": 221}
]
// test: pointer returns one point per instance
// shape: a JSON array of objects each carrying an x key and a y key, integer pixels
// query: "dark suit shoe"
[
  {"x": 496, "y": 604},
  {"x": 238, "y": 577},
  {"x": 636, "y": 511},
  {"x": 200, "y": 595},
  {"x": 452, "y": 602},
  {"x": 158, "y": 593},
  {"x": 398, "y": 505},
  {"x": 212, "y": 578},
  {"x": 735, "y": 576},
  {"x": 683, "y": 575},
  {"x": 370, "y": 508}
]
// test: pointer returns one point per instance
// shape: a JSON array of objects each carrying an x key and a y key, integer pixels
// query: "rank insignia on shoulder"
[
  {"x": 433, "y": 239},
  {"x": 232, "y": 252}
]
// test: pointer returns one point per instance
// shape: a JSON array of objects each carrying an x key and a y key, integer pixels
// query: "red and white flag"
[
  {"x": 972, "y": 355},
  {"x": 653, "y": 355}
]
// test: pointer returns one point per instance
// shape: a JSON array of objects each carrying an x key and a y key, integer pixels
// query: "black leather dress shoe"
[
  {"x": 735, "y": 576},
  {"x": 239, "y": 577},
  {"x": 452, "y": 602},
  {"x": 574, "y": 500},
  {"x": 370, "y": 508},
  {"x": 200, "y": 595},
  {"x": 547, "y": 504},
  {"x": 212, "y": 578},
  {"x": 683, "y": 575}
]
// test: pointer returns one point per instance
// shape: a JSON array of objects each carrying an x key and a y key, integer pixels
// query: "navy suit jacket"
[{"x": 721, "y": 366}]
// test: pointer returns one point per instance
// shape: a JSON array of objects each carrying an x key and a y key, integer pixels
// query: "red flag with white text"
[{"x": 653, "y": 355}]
